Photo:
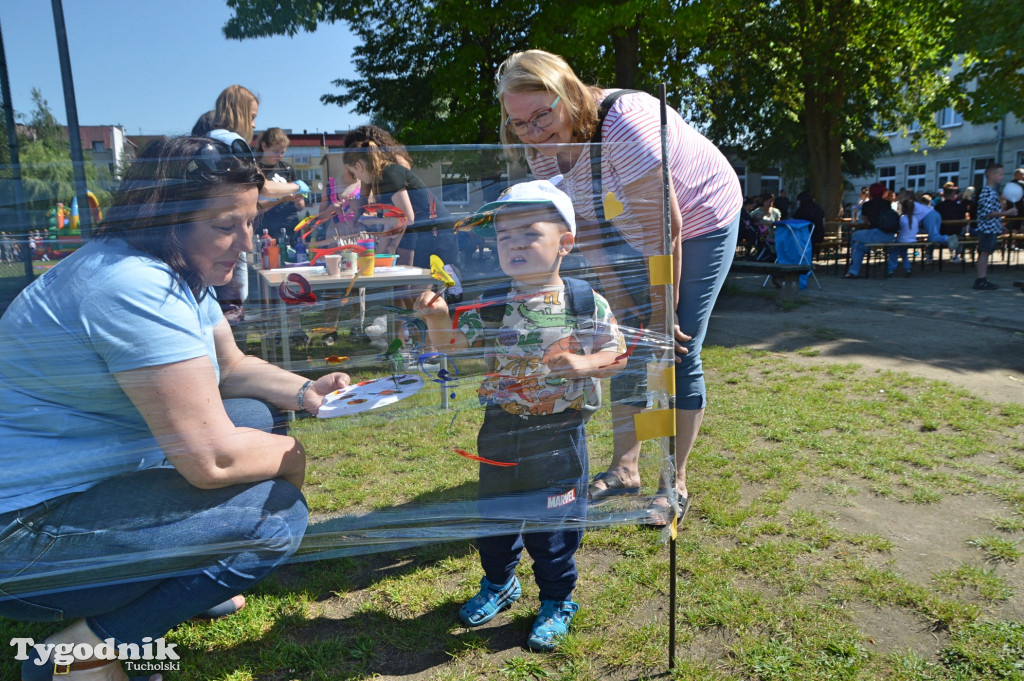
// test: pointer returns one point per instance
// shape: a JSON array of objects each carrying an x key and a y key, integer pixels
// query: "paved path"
[{"x": 931, "y": 324}]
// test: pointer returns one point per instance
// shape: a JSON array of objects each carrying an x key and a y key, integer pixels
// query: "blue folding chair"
[{"x": 793, "y": 247}]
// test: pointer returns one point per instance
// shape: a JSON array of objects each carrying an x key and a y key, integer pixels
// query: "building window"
[
  {"x": 916, "y": 177},
  {"x": 978, "y": 175},
  {"x": 770, "y": 182},
  {"x": 949, "y": 118},
  {"x": 741, "y": 173},
  {"x": 98, "y": 146},
  {"x": 1020, "y": 160},
  {"x": 887, "y": 176},
  {"x": 454, "y": 187},
  {"x": 949, "y": 171}
]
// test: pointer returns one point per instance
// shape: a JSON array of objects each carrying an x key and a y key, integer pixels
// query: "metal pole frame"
[
  {"x": 12, "y": 143},
  {"x": 673, "y": 520},
  {"x": 70, "y": 105}
]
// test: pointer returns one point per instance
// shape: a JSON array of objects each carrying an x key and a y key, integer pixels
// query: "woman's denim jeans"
[
  {"x": 139, "y": 553},
  {"x": 858, "y": 249},
  {"x": 705, "y": 263}
]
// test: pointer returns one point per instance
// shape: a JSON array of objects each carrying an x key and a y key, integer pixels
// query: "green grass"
[{"x": 768, "y": 580}]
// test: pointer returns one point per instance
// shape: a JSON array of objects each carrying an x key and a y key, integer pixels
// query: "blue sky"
[{"x": 155, "y": 66}]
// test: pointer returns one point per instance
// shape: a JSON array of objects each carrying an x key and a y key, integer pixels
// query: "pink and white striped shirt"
[{"x": 706, "y": 185}]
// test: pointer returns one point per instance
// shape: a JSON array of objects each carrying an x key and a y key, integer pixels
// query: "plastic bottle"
[
  {"x": 287, "y": 254},
  {"x": 265, "y": 248},
  {"x": 274, "y": 253},
  {"x": 301, "y": 254}
]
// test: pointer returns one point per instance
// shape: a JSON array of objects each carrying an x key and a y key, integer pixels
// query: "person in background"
[
  {"x": 855, "y": 214},
  {"x": 233, "y": 122},
  {"x": 432, "y": 233},
  {"x": 870, "y": 211},
  {"x": 204, "y": 124},
  {"x": 547, "y": 108},
  {"x": 953, "y": 212},
  {"x": 929, "y": 222},
  {"x": 351, "y": 191},
  {"x": 389, "y": 182},
  {"x": 1013, "y": 227},
  {"x": 170, "y": 482},
  {"x": 809, "y": 210},
  {"x": 282, "y": 213},
  {"x": 748, "y": 233},
  {"x": 970, "y": 200},
  {"x": 910, "y": 220},
  {"x": 766, "y": 213},
  {"x": 990, "y": 224},
  {"x": 764, "y": 217},
  {"x": 783, "y": 204}
]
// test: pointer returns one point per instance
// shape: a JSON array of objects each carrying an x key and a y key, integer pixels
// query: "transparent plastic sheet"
[{"x": 410, "y": 471}]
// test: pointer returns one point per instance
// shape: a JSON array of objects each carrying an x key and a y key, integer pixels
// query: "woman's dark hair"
[
  {"x": 168, "y": 187},
  {"x": 388, "y": 145},
  {"x": 204, "y": 124}
]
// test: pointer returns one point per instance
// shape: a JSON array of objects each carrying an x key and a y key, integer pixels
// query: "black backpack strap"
[
  {"x": 496, "y": 299},
  {"x": 579, "y": 302},
  {"x": 609, "y": 235}
]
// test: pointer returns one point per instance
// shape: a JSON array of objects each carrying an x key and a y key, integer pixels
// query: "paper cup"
[{"x": 333, "y": 263}]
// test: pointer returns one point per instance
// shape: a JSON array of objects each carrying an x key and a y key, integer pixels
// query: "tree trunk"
[
  {"x": 626, "y": 45},
  {"x": 824, "y": 147}
]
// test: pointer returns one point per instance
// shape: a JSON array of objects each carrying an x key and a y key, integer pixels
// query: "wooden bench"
[
  {"x": 789, "y": 274},
  {"x": 888, "y": 246}
]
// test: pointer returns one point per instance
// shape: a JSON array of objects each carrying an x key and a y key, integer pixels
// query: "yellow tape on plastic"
[
  {"x": 653, "y": 424},
  {"x": 675, "y": 527},
  {"x": 670, "y": 380},
  {"x": 659, "y": 268}
]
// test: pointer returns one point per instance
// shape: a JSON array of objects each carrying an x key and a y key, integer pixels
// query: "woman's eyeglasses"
[
  {"x": 538, "y": 122},
  {"x": 216, "y": 158}
]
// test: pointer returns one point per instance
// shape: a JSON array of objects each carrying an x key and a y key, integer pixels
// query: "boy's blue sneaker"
[
  {"x": 551, "y": 625},
  {"x": 489, "y": 601}
]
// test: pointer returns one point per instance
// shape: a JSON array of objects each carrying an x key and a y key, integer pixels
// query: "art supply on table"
[{"x": 366, "y": 258}]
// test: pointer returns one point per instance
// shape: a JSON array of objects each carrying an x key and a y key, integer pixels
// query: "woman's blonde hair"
[
  {"x": 372, "y": 157},
  {"x": 234, "y": 111},
  {"x": 540, "y": 71}
]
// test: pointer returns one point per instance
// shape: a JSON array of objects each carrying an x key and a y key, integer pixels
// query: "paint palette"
[{"x": 367, "y": 395}]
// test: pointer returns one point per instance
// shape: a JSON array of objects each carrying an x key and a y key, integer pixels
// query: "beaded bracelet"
[{"x": 302, "y": 393}]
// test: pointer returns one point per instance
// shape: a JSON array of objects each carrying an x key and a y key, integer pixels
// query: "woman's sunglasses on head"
[{"x": 216, "y": 158}]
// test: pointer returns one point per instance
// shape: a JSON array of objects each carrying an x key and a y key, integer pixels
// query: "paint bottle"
[
  {"x": 274, "y": 254},
  {"x": 265, "y": 249}
]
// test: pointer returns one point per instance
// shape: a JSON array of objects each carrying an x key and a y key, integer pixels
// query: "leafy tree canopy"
[
  {"x": 426, "y": 69},
  {"x": 990, "y": 39},
  {"x": 814, "y": 85},
  {"x": 45, "y": 155},
  {"x": 811, "y": 85}
]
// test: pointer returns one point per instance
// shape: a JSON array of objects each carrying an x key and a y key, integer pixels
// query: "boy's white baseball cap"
[{"x": 534, "y": 192}]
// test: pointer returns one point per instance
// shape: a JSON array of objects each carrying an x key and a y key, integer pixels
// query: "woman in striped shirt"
[{"x": 546, "y": 107}]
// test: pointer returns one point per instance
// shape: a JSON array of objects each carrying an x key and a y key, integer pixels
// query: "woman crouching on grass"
[{"x": 147, "y": 477}]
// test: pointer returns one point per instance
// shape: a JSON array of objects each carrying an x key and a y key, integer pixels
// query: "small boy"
[
  {"x": 990, "y": 224},
  {"x": 546, "y": 364}
]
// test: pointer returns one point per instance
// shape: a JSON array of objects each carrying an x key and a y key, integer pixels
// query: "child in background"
[
  {"x": 547, "y": 359},
  {"x": 389, "y": 182},
  {"x": 280, "y": 213}
]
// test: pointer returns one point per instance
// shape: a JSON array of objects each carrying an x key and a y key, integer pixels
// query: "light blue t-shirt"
[{"x": 65, "y": 423}]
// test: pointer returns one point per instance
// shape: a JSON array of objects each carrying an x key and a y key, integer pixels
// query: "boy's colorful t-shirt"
[{"x": 535, "y": 328}]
